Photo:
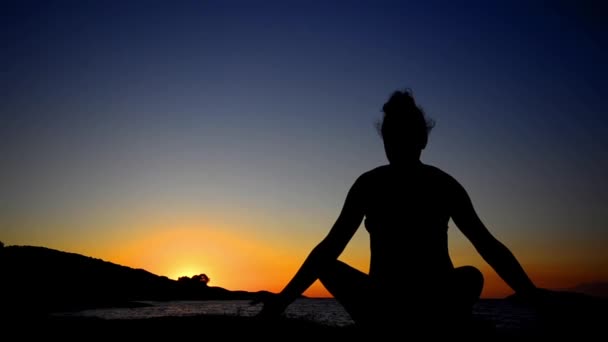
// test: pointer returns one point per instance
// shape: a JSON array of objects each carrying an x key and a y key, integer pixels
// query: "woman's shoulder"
[
  {"x": 371, "y": 177},
  {"x": 435, "y": 171},
  {"x": 385, "y": 172},
  {"x": 376, "y": 172},
  {"x": 442, "y": 177}
]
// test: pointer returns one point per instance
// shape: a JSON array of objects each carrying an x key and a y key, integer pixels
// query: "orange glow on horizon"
[
  {"x": 233, "y": 261},
  {"x": 246, "y": 259}
]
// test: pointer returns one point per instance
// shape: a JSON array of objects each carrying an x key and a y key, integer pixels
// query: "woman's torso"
[{"x": 406, "y": 215}]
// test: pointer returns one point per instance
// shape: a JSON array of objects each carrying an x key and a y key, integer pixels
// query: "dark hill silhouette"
[{"x": 42, "y": 280}]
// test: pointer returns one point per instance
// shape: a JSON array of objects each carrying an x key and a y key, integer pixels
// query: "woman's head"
[{"x": 404, "y": 128}]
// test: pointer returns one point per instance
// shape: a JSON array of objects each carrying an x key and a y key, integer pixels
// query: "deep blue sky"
[{"x": 112, "y": 111}]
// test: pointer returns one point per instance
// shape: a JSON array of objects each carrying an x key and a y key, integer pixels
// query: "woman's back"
[{"x": 407, "y": 210}]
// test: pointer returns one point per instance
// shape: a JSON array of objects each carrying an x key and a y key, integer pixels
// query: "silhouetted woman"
[{"x": 406, "y": 206}]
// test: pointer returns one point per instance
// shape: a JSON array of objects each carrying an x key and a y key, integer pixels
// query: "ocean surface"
[{"x": 504, "y": 314}]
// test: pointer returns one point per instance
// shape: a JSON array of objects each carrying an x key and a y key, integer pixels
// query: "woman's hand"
[{"x": 273, "y": 304}]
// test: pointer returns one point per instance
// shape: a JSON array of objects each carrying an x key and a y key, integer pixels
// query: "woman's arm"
[
  {"x": 492, "y": 251},
  {"x": 328, "y": 250}
]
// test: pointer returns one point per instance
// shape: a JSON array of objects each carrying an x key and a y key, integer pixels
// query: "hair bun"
[{"x": 400, "y": 102}]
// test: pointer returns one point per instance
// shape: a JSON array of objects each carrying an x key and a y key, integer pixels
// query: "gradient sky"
[{"x": 221, "y": 137}]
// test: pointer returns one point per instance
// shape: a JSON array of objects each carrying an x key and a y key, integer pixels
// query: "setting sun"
[{"x": 188, "y": 270}]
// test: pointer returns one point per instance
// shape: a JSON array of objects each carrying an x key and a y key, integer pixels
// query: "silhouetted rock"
[{"x": 38, "y": 280}]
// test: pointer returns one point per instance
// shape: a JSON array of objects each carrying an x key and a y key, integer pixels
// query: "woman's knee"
[
  {"x": 331, "y": 270},
  {"x": 471, "y": 278},
  {"x": 350, "y": 287},
  {"x": 340, "y": 278}
]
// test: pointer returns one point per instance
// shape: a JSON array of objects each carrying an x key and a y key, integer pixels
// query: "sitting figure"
[{"x": 405, "y": 206}]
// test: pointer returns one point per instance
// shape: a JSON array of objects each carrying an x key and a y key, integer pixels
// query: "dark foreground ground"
[
  {"x": 567, "y": 316},
  {"x": 224, "y": 326}
]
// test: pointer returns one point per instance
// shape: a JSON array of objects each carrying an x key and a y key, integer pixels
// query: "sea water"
[{"x": 504, "y": 314}]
